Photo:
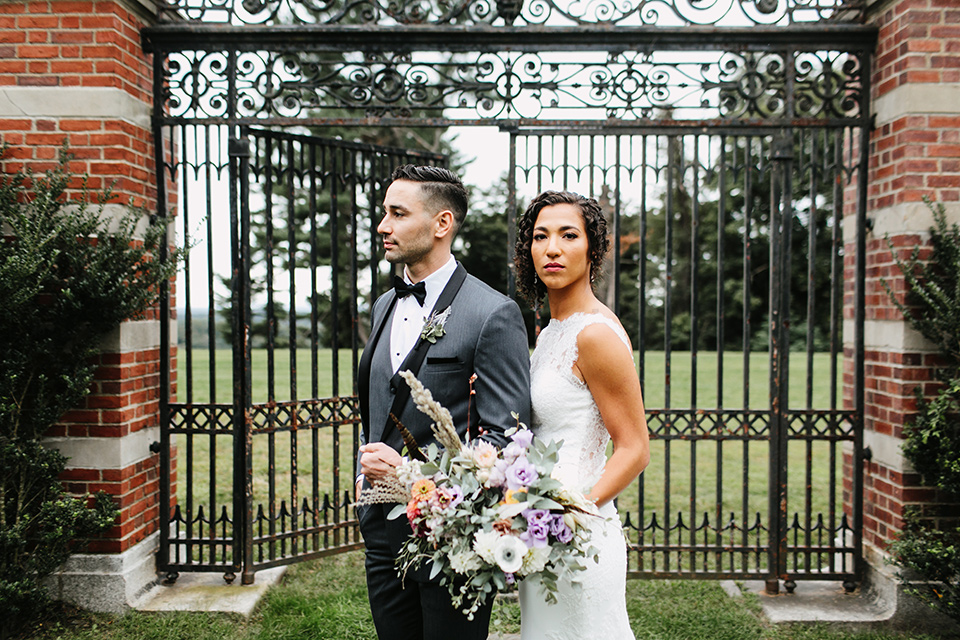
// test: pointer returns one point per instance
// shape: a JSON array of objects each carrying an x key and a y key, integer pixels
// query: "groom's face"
[{"x": 407, "y": 228}]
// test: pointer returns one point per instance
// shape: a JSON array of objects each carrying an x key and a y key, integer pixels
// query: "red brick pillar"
[
  {"x": 76, "y": 72},
  {"x": 914, "y": 152}
]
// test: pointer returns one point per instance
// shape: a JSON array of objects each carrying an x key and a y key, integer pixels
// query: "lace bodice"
[{"x": 563, "y": 407}]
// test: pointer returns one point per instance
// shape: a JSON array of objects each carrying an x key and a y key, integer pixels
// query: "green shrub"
[
  {"x": 68, "y": 276},
  {"x": 932, "y": 439}
]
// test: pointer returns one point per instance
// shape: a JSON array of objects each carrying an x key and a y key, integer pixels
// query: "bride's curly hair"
[{"x": 529, "y": 286}]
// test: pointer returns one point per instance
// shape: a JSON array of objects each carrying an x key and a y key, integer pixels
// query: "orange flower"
[
  {"x": 508, "y": 497},
  {"x": 423, "y": 490}
]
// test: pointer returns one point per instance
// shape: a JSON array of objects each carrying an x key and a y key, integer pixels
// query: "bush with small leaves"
[
  {"x": 69, "y": 274},
  {"x": 932, "y": 438}
]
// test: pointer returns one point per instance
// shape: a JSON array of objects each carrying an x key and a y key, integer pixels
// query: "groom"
[{"x": 474, "y": 330}]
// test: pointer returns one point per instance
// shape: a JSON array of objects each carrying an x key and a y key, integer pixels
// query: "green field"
[{"x": 712, "y": 482}]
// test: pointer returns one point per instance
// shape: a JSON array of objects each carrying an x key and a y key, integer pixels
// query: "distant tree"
[{"x": 694, "y": 265}]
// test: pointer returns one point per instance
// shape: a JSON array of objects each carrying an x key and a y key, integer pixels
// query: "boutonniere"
[{"x": 433, "y": 327}]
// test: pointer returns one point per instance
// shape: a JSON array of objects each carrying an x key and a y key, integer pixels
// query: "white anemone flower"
[{"x": 509, "y": 553}]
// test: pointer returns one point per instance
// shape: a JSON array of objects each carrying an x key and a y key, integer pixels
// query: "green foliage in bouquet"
[
  {"x": 483, "y": 518},
  {"x": 68, "y": 276},
  {"x": 932, "y": 439}
]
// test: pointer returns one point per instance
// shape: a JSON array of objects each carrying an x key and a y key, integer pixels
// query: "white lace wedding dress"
[{"x": 563, "y": 409}]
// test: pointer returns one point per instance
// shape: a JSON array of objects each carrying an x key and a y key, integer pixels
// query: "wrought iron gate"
[
  {"x": 727, "y": 139},
  {"x": 301, "y": 211},
  {"x": 759, "y": 466}
]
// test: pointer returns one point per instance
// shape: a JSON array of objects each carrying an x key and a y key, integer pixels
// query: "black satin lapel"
[{"x": 363, "y": 368}]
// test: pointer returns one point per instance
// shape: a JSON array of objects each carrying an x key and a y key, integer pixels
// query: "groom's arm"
[{"x": 502, "y": 365}]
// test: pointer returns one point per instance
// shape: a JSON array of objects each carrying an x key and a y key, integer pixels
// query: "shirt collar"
[{"x": 435, "y": 282}]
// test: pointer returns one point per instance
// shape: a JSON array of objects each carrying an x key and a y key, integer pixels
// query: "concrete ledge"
[
  {"x": 917, "y": 98},
  {"x": 880, "y": 602},
  {"x": 105, "y": 453},
  {"x": 74, "y": 102},
  {"x": 132, "y": 336},
  {"x": 209, "y": 592},
  {"x": 108, "y": 583}
]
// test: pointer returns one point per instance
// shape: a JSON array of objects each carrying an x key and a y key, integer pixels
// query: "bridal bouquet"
[{"x": 485, "y": 518}]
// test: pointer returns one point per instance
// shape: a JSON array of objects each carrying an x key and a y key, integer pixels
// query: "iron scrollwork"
[
  {"x": 487, "y": 86},
  {"x": 510, "y": 12}
]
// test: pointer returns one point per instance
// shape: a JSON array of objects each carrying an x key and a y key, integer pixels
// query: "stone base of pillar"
[
  {"x": 907, "y": 612},
  {"x": 109, "y": 583}
]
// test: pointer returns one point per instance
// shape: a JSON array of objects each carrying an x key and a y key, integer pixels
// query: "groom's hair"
[{"x": 441, "y": 188}]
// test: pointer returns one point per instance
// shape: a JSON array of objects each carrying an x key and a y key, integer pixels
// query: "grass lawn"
[
  {"x": 698, "y": 481},
  {"x": 327, "y": 600}
]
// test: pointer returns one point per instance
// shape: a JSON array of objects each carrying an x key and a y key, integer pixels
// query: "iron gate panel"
[
  {"x": 696, "y": 104},
  {"x": 701, "y": 242},
  {"x": 276, "y": 465}
]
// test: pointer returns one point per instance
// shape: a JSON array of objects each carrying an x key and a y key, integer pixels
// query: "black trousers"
[{"x": 412, "y": 609}]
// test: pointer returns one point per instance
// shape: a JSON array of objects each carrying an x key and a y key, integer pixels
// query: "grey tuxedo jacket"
[{"x": 484, "y": 335}]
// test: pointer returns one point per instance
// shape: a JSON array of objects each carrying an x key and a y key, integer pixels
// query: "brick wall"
[
  {"x": 124, "y": 400},
  {"x": 75, "y": 72},
  {"x": 914, "y": 153},
  {"x": 73, "y": 46}
]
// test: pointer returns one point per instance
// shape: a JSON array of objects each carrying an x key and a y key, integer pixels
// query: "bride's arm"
[{"x": 607, "y": 367}]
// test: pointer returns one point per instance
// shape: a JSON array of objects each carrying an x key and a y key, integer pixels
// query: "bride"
[{"x": 585, "y": 391}]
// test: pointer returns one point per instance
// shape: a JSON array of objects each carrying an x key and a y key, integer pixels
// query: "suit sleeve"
[
  {"x": 363, "y": 436},
  {"x": 502, "y": 364}
]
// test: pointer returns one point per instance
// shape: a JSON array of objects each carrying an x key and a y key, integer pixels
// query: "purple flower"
[
  {"x": 513, "y": 451},
  {"x": 560, "y": 530},
  {"x": 498, "y": 474},
  {"x": 536, "y": 534},
  {"x": 521, "y": 474},
  {"x": 449, "y": 497},
  {"x": 535, "y": 516},
  {"x": 523, "y": 437}
]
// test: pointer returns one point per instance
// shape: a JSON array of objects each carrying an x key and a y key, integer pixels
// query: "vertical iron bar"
[
  {"x": 668, "y": 323},
  {"x": 836, "y": 308},
  {"x": 745, "y": 310},
  {"x": 240, "y": 228},
  {"x": 512, "y": 216},
  {"x": 781, "y": 222},
  {"x": 314, "y": 344},
  {"x": 694, "y": 336},
  {"x": 859, "y": 382},
  {"x": 211, "y": 336},
  {"x": 335, "y": 333},
  {"x": 188, "y": 479},
  {"x": 160, "y": 165},
  {"x": 292, "y": 330},
  {"x": 641, "y": 330},
  {"x": 616, "y": 228},
  {"x": 721, "y": 242},
  {"x": 812, "y": 156}
]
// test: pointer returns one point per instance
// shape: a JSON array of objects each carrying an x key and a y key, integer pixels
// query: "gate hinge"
[
  {"x": 155, "y": 447},
  {"x": 239, "y": 148}
]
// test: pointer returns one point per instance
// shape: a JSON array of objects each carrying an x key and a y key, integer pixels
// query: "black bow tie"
[{"x": 419, "y": 290}]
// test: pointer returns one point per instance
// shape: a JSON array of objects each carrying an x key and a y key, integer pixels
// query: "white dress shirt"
[{"x": 409, "y": 317}]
